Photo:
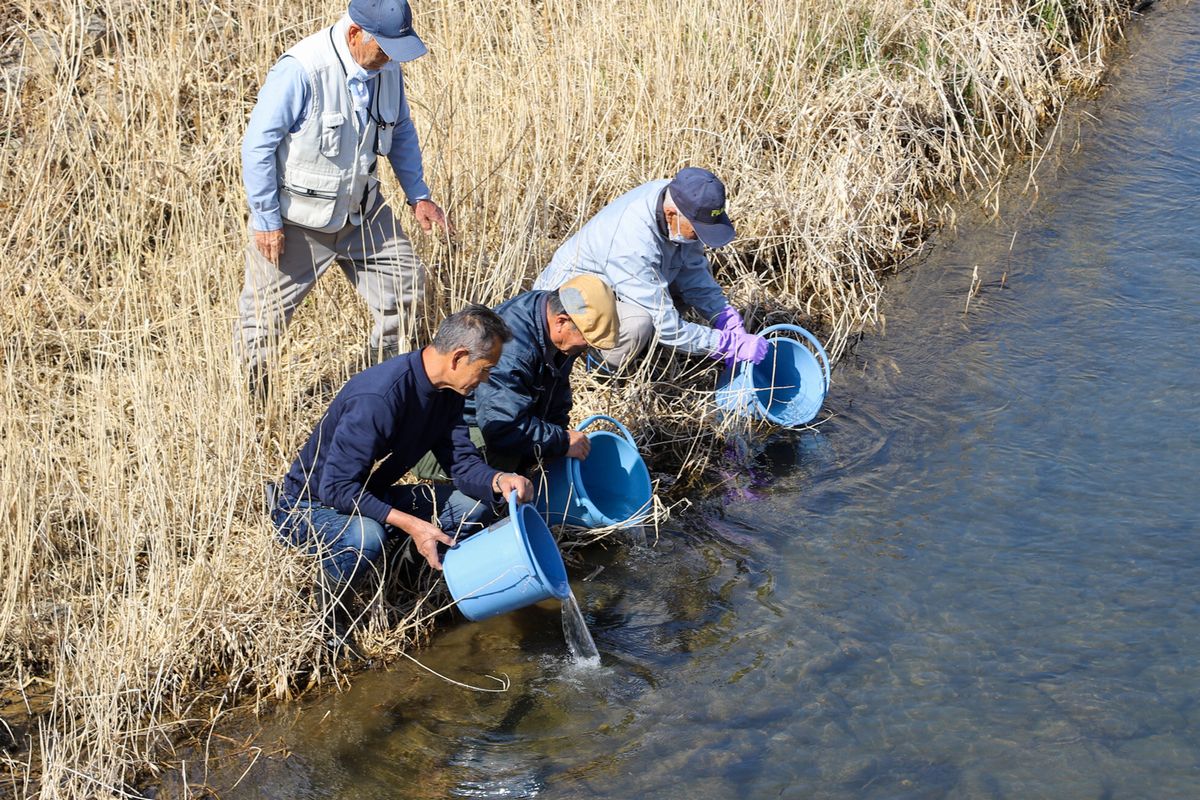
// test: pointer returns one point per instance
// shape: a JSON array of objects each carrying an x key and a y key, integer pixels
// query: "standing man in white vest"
[{"x": 328, "y": 109}]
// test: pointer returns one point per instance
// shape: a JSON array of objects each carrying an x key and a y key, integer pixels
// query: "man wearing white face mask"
[
  {"x": 648, "y": 244},
  {"x": 330, "y": 107}
]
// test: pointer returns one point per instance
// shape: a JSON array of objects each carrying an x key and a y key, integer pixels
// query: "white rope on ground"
[{"x": 504, "y": 682}]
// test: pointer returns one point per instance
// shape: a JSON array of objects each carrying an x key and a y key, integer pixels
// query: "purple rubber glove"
[
  {"x": 735, "y": 346},
  {"x": 728, "y": 319}
]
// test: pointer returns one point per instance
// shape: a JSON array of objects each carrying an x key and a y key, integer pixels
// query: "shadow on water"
[{"x": 976, "y": 578}]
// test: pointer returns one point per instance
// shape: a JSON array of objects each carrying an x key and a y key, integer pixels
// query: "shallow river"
[{"x": 979, "y": 578}]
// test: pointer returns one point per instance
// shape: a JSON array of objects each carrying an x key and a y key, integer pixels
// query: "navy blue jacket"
[
  {"x": 524, "y": 407},
  {"x": 390, "y": 413}
]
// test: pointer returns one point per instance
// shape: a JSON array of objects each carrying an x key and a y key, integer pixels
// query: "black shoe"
[
  {"x": 339, "y": 629},
  {"x": 338, "y": 633}
]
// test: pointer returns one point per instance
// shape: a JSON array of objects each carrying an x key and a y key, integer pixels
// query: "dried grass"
[{"x": 139, "y": 574}]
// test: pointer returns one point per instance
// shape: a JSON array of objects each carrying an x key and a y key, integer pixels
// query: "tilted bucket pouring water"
[
  {"x": 609, "y": 487},
  {"x": 787, "y": 387},
  {"x": 511, "y": 564}
]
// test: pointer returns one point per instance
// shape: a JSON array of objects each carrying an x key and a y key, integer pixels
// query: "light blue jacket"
[
  {"x": 284, "y": 105},
  {"x": 627, "y": 245}
]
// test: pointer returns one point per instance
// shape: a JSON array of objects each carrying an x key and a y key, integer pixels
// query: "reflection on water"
[{"x": 979, "y": 578}]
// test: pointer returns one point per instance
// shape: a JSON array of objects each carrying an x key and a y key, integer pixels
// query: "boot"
[{"x": 338, "y": 618}]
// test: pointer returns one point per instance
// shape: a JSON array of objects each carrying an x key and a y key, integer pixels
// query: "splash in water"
[{"x": 579, "y": 638}]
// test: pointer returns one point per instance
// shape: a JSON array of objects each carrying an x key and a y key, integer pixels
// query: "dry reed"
[{"x": 140, "y": 577}]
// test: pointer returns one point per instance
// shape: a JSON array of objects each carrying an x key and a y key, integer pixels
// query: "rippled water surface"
[{"x": 980, "y": 578}]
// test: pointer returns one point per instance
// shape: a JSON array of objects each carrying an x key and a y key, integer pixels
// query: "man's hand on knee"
[{"x": 270, "y": 244}]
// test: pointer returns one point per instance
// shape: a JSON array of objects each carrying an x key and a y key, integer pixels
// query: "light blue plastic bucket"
[
  {"x": 609, "y": 487},
  {"x": 786, "y": 388},
  {"x": 509, "y": 565}
]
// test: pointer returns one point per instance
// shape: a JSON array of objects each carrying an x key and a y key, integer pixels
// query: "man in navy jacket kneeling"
[{"x": 340, "y": 499}]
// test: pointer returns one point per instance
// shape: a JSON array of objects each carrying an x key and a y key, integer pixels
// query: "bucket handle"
[
  {"x": 573, "y": 464},
  {"x": 512, "y": 504},
  {"x": 824, "y": 357},
  {"x": 606, "y": 418}
]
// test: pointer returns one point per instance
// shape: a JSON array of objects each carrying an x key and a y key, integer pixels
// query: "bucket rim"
[
  {"x": 819, "y": 354},
  {"x": 558, "y": 590},
  {"x": 580, "y": 488}
]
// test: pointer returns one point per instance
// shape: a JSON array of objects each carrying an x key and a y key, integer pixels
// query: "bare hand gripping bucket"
[{"x": 609, "y": 487}]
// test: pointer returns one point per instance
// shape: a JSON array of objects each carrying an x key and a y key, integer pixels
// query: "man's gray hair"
[
  {"x": 476, "y": 327},
  {"x": 554, "y": 304}
]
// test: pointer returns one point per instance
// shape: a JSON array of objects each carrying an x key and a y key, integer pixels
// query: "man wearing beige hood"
[{"x": 520, "y": 414}]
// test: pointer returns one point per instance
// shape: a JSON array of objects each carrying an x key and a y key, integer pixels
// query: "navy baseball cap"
[
  {"x": 700, "y": 197},
  {"x": 390, "y": 22}
]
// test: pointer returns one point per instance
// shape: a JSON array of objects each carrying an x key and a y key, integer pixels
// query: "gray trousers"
[
  {"x": 635, "y": 334},
  {"x": 376, "y": 257}
]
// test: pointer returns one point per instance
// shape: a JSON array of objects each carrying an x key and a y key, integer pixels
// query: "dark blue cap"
[
  {"x": 700, "y": 197},
  {"x": 390, "y": 22}
]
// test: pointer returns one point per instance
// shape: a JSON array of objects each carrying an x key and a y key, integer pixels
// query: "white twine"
[{"x": 504, "y": 682}]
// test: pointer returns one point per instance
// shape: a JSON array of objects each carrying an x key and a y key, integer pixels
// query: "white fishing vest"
[{"x": 327, "y": 169}]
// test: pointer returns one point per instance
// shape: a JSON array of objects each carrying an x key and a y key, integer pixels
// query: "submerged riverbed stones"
[{"x": 1103, "y": 710}]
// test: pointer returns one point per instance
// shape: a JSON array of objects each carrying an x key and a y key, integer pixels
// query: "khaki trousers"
[
  {"x": 634, "y": 336},
  {"x": 376, "y": 257}
]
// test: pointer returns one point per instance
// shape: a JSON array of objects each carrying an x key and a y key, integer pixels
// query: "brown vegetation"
[{"x": 140, "y": 579}]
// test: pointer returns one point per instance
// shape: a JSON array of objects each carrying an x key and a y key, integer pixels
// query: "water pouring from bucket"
[
  {"x": 609, "y": 487},
  {"x": 787, "y": 387},
  {"x": 580, "y": 644},
  {"x": 512, "y": 564}
]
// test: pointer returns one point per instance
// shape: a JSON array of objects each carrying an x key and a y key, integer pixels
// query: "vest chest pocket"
[{"x": 331, "y": 132}]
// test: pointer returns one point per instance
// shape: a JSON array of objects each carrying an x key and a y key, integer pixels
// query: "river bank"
[
  {"x": 140, "y": 578},
  {"x": 977, "y": 578}
]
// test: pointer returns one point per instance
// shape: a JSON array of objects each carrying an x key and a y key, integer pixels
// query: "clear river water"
[{"x": 980, "y": 577}]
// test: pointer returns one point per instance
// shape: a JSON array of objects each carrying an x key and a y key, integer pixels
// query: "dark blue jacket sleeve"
[
  {"x": 354, "y": 446},
  {"x": 559, "y": 410},
  {"x": 504, "y": 409},
  {"x": 461, "y": 459}
]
